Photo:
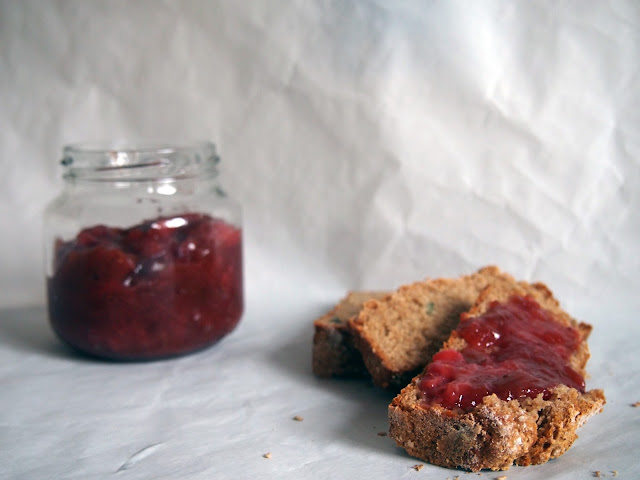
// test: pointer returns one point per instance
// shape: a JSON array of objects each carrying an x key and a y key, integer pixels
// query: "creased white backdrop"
[{"x": 372, "y": 143}]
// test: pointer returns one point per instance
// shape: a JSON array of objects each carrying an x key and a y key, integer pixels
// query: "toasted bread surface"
[
  {"x": 398, "y": 335},
  {"x": 497, "y": 433}
]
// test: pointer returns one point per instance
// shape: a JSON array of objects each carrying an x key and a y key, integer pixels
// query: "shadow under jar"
[{"x": 143, "y": 251}]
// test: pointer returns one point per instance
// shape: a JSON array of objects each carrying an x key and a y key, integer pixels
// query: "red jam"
[
  {"x": 165, "y": 287},
  {"x": 514, "y": 350}
]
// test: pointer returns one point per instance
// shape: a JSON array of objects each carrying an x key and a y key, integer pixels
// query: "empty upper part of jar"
[{"x": 141, "y": 162}]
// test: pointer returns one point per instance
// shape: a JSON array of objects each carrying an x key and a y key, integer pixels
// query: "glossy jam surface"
[
  {"x": 514, "y": 350},
  {"x": 161, "y": 288}
]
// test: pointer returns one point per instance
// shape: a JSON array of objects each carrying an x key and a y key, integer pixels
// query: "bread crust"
[
  {"x": 494, "y": 435},
  {"x": 333, "y": 352},
  {"x": 497, "y": 433}
]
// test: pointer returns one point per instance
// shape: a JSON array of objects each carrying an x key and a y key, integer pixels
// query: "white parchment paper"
[{"x": 372, "y": 144}]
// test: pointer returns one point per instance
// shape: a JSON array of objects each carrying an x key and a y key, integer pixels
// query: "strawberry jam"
[
  {"x": 164, "y": 287},
  {"x": 514, "y": 350}
]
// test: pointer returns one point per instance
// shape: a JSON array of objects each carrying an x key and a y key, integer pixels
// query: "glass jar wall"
[{"x": 143, "y": 251}]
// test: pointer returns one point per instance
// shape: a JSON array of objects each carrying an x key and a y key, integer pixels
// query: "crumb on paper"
[
  {"x": 267, "y": 455},
  {"x": 298, "y": 418},
  {"x": 614, "y": 473},
  {"x": 418, "y": 467},
  {"x": 502, "y": 477},
  {"x": 382, "y": 434},
  {"x": 596, "y": 473},
  {"x": 637, "y": 404}
]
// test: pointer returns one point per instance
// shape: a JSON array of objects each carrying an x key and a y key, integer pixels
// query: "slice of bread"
[
  {"x": 496, "y": 433},
  {"x": 398, "y": 335},
  {"x": 334, "y": 354}
]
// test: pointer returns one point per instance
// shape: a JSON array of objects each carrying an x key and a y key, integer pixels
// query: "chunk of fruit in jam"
[
  {"x": 515, "y": 350},
  {"x": 164, "y": 287}
]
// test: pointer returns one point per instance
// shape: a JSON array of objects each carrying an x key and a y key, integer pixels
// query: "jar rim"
[
  {"x": 142, "y": 160},
  {"x": 130, "y": 146}
]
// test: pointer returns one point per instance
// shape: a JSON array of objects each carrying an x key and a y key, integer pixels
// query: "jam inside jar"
[{"x": 144, "y": 252}]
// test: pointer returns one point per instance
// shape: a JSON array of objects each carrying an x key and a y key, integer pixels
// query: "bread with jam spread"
[
  {"x": 398, "y": 334},
  {"x": 495, "y": 433},
  {"x": 334, "y": 354}
]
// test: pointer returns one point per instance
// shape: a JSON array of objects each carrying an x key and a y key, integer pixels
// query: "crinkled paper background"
[{"x": 372, "y": 144}]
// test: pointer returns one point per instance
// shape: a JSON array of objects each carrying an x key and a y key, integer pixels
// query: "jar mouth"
[{"x": 139, "y": 161}]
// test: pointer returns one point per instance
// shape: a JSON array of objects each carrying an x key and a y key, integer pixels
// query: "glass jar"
[{"x": 143, "y": 251}]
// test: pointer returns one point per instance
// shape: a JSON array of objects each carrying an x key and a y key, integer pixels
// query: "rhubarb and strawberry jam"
[
  {"x": 161, "y": 288},
  {"x": 514, "y": 350}
]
